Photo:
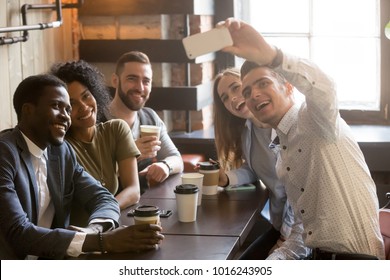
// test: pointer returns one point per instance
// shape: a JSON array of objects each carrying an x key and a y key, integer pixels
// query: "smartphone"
[
  {"x": 130, "y": 213},
  {"x": 163, "y": 213},
  {"x": 240, "y": 187},
  {"x": 207, "y": 42}
]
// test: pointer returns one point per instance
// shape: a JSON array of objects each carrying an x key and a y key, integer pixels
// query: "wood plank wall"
[{"x": 43, "y": 48}]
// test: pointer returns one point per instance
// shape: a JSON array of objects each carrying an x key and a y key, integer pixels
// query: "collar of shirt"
[
  {"x": 248, "y": 124},
  {"x": 34, "y": 149},
  {"x": 273, "y": 134},
  {"x": 288, "y": 120}
]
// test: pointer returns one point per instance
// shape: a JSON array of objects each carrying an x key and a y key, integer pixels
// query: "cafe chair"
[{"x": 384, "y": 223}]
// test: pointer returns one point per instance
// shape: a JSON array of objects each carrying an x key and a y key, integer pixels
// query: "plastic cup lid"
[
  {"x": 186, "y": 189},
  {"x": 146, "y": 211},
  {"x": 206, "y": 165}
]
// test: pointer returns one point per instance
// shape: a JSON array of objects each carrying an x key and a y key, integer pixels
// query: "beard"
[{"x": 126, "y": 98}]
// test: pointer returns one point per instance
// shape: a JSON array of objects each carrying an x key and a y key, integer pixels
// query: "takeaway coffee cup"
[
  {"x": 150, "y": 130},
  {"x": 210, "y": 171},
  {"x": 186, "y": 201},
  {"x": 147, "y": 214},
  {"x": 194, "y": 179}
]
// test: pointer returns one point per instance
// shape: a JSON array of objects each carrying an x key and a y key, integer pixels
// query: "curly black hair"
[{"x": 89, "y": 76}]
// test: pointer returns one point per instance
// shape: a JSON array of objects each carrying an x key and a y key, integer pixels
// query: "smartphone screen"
[{"x": 240, "y": 187}]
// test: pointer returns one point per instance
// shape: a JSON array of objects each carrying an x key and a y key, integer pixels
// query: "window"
[{"x": 345, "y": 38}]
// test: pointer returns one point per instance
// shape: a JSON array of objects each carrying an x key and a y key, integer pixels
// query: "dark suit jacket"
[{"x": 67, "y": 182}]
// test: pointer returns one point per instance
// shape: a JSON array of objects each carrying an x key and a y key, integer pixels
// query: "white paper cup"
[
  {"x": 186, "y": 202},
  {"x": 150, "y": 130},
  {"x": 194, "y": 179}
]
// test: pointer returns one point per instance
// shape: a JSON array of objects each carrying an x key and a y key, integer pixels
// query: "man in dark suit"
[{"x": 40, "y": 178}]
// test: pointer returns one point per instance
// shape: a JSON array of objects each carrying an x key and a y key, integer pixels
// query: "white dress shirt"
[
  {"x": 327, "y": 180},
  {"x": 46, "y": 208},
  {"x": 259, "y": 164}
]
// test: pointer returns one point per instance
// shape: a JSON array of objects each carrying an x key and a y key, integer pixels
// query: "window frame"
[{"x": 381, "y": 116}]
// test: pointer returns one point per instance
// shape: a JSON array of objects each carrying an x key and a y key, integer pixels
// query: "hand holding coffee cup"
[
  {"x": 147, "y": 214},
  {"x": 149, "y": 142}
]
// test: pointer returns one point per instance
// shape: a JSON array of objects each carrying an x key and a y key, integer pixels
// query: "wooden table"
[
  {"x": 182, "y": 247},
  {"x": 223, "y": 222}
]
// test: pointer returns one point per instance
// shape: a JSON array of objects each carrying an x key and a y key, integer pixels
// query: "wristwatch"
[
  {"x": 166, "y": 163},
  {"x": 277, "y": 60}
]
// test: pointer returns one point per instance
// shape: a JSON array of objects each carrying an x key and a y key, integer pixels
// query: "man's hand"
[
  {"x": 156, "y": 172},
  {"x": 148, "y": 147},
  {"x": 248, "y": 43},
  {"x": 134, "y": 238}
]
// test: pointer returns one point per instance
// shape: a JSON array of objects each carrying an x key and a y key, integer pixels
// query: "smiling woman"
[
  {"x": 84, "y": 107},
  {"x": 103, "y": 149}
]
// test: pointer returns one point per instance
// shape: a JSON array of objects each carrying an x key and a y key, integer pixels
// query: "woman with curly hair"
[{"x": 107, "y": 149}]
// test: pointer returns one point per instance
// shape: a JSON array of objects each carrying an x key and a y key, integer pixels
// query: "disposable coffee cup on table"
[
  {"x": 150, "y": 130},
  {"x": 194, "y": 179},
  {"x": 147, "y": 214},
  {"x": 210, "y": 171},
  {"x": 186, "y": 202}
]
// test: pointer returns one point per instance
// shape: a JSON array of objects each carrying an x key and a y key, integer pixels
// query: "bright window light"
[{"x": 341, "y": 36}]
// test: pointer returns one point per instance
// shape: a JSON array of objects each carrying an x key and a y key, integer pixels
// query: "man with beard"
[
  {"x": 133, "y": 83},
  {"x": 40, "y": 178}
]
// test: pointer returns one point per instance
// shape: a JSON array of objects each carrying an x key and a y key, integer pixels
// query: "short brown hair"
[
  {"x": 132, "y": 56},
  {"x": 247, "y": 67}
]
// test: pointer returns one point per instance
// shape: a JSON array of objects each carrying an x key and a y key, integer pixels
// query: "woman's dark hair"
[
  {"x": 90, "y": 77},
  {"x": 31, "y": 89}
]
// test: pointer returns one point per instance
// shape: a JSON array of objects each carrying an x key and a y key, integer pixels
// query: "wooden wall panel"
[
  {"x": 10, "y": 66},
  {"x": 20, "y": 60},
  {"x": 99, "y": 28}
]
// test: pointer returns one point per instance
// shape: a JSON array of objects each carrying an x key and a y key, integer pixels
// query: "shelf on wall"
[
  {"x": 187, "y": 98},
  {"x": 146, "y": 7},
  {"x": 192, "y": 98},
  {"x": 158, "y": 50}
]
